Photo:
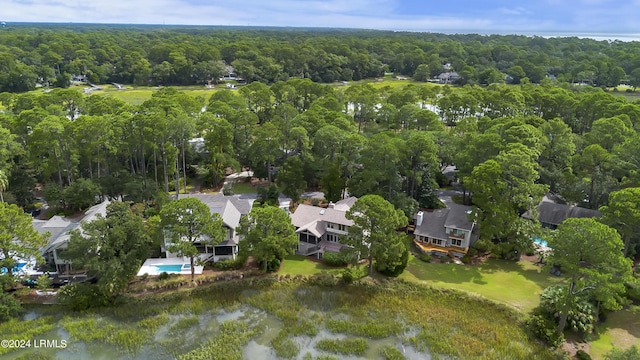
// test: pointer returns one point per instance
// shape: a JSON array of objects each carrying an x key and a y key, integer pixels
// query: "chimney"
[
  {"x": 419, "y": 218},
  {"x": 332, "y": 205}
]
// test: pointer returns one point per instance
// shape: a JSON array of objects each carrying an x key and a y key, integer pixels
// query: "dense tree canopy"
[
  {"x": 374, "y": 233},
  {"x": 590, "y": 254},
  {"x": 18, "y": 239},
  {"x": 111, "y": 248},
  {"x": 268, "y": 233}
]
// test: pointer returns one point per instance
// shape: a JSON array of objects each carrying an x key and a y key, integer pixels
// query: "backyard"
[{"x": 516, "y": 284}]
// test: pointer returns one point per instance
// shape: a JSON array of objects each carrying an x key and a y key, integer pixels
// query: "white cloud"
[{"x": 378, "y": 14}]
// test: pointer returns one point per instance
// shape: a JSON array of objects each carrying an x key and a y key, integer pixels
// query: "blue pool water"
[
  {"x": 540, "y": 242},
  {"x": 15, "y": 268},
  {"x": 169, "y": 268}
]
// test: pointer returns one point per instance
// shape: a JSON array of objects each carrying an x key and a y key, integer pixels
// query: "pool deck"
[{"x": 149, "y": 266}]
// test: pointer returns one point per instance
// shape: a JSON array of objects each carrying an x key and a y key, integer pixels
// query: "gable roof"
[
  {"x": 224, "y": 206},
  {"x": 554, "y": 214},
  {"x": 242, "y": 205},
  {"x": 435, "y": 222},
  {"x": 59, "y": 227},
  {"x": 458, "y": 216},
  {"x": 314, "y": 218},
  {"x": 306, "y": 213}
]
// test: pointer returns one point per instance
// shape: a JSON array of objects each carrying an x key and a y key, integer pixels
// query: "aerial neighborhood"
[{"x": 297, "y": 194}]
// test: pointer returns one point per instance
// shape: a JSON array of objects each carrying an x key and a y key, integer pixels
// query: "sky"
[{"x": 449, "y": 16}]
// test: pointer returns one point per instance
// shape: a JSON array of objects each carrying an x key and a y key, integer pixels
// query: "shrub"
[
  {"x": 44, "y": 282},
  {"x": 163, "y": 276},
  {"x": 230, "y": 264},
  {"x": 347, "y": 275},
  {"x": 483, "y": 245},
  {"x": 393, "y": 269},
  {"x": 545, "y": 329},
  {"x": 619, "y": 354},
  {"x": 273, "y": 265},
  {"x": 582, "y": 355},
  {"x": 227, "y": 189},
  {"x": 9, "y": 306},
  {"x": 333, "y": 259},
  {"x": 472, "y": 252},
  {"x": 426, "y": 257},
  {"x": 465, "y": 259}
]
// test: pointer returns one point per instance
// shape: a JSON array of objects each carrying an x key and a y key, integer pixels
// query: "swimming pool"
[
  {"x": 173, "y": 268},
  {"x": 156, "y": 266},
  {"x": 16, "y": 268},
  {"x": 540, "y": 242}
]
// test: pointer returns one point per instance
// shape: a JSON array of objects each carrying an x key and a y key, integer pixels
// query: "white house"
[
  {"x": 231, "y": 209},
  {"x": 446, "y": 231},
  {"x": 59, "y": 228},
  {"x": 320, "y": 229}
]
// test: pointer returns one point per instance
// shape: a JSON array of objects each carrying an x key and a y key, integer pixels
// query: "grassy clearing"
[
  {"x": 138, "y": 95},
  {"x": 518, "y": 284},
  {"x": 621, "y": 330},
  {"x": 244, "y": 188},
  {"x": 301, "y": 265}
]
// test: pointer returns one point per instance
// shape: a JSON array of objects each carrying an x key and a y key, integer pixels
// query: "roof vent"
[{"x": 322, "y": 211}]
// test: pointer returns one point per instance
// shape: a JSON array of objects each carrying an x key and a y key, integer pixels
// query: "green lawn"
[
  {"x": 622, "y": 330},
  {"x": 244, "y": 188},
  {"x": 517, "y": 284},
  {"x": 138, "y": 95},
  {"x": 301, "y": 265}
]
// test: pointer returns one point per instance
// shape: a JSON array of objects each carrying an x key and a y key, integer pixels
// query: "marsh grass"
[
  {"x": 25, "y": 330},
  {"x": 392, "y": 353},
  {"x": 154, "y": 323},
  {"x": 127, "y": 338},
  {"x": 284, "y": 346},
  {"x": 443, "y": 322},
  {"x": 183, "y": 324},
  {"x": 373, "y": 329},
  {"x": 227, "y": 345},
  {"x": 343, "y": 346}
]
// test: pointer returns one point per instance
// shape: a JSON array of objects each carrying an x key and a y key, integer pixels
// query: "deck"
[{"x": 449, "y": 250}]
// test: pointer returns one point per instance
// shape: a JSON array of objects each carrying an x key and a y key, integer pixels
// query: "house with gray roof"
[
  {"x": 448, "y": 231},
  {"x": 551, "y": 214},
  {"x": 320, "y": 229},
  {"x": 231, "y": 209},
  {"x": 59, "y": 228}
]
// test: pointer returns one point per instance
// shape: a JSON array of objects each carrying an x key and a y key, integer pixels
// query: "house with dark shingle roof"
[
  {"x": 448, "y": 231},
  {"x": 551, "y": 214},
  {"x": 320, "y": 229}
]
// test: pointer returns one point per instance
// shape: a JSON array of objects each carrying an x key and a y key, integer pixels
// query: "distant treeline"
[{"x": 171, "y": 55}]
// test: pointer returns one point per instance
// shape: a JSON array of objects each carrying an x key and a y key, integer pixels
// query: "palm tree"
[{"x": 4, "y": 183}]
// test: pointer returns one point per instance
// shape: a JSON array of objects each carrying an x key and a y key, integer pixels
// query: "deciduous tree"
[
  {"x": 268, "y": 233},
  {"x": 111, "y": 248},
  {"x": 590, "y": 255},
  {"x": 18, "y": 239},
  {"x": 374, "y": 232},
  {"x": 188, "y": 221}
]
